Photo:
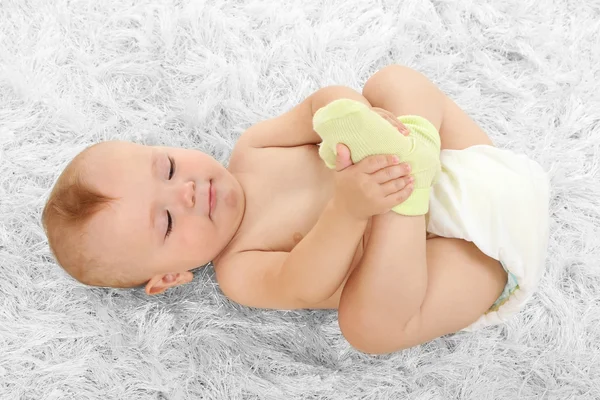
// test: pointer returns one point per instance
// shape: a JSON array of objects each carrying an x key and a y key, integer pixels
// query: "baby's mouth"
[{"x": 210, "y": 198}]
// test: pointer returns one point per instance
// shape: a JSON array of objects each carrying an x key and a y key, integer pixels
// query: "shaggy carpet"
[{"x": 197, "y": 74}]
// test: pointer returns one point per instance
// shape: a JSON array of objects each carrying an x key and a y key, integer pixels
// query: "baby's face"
[{"x": 176, "y": 209}]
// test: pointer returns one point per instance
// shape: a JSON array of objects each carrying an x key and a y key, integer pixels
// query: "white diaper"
[{"x": 499, "y": 201}]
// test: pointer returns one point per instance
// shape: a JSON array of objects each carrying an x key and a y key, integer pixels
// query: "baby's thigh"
[
  {"x": 462, "y": 285},
  {"x": 404, "y": 91}
]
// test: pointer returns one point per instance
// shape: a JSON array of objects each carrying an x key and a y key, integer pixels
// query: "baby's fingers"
[
  {"x": 390, "y": 173},
  {"x": 374, "y": 163},
  {"x": 400, "y": 196},
  {"x": 397, "y": 185},
  {"x": 399, "y": 125},
  {"x": 391, "y": 118},
  {"x": 403, "y": 129}
]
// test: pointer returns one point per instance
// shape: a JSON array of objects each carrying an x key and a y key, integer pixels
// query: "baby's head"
[{"x": 124, "y": 215}]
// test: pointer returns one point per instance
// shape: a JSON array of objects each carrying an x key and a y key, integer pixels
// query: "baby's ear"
[{"x": 160, "y": 283}]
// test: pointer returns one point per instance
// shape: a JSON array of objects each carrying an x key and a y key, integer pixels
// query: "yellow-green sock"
[{"x": 366, "y": 133}]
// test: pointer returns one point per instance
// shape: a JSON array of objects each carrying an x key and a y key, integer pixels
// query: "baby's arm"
[
  {"x": 315, "y": 269},
  {"x": 318, "y": 265},
  {"x": 294, "y": 127},
  {"x": 303, "y": 278}
]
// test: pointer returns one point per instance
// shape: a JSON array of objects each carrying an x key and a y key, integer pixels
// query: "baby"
[{"x": 290, "y": 226}]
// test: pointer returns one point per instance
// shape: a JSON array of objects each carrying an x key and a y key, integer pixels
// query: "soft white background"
[{"x": 197, "y": 74}]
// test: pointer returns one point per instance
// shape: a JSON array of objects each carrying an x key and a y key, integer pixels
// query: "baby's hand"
[
  {"x": 391, "y": 118},
  {"x": 373, "y": 186}
]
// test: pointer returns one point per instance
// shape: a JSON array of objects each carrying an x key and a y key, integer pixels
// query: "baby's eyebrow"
[{"x": 153, "y": 174}]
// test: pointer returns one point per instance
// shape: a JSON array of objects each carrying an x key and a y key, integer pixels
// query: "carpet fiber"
[{"x": 197, "y": 74}]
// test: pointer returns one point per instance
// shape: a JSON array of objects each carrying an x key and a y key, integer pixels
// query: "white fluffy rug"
[{"x": 197, "y": 74}]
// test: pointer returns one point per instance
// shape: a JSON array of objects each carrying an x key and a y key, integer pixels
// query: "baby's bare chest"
[{"x": 286, "y": 190}]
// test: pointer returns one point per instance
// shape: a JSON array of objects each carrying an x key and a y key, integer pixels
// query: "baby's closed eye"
[{"x": 171, "y": 167}]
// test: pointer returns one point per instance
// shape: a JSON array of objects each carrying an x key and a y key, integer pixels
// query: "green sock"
[{"x": 366, "y": 133}]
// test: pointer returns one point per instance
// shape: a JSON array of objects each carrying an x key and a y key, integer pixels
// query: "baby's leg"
[
  {"x": 404, "y": 91},
  {"x": 403, "y": 292},
  {"x": 462, "y": 284}
]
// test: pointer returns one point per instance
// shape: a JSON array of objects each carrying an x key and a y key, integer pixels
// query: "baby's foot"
[{"x": 366, "y": 133}]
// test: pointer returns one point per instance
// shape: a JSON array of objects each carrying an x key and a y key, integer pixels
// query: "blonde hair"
[{"x": 71, "y": 205}]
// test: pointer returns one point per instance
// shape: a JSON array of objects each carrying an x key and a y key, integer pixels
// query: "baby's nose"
[{"x": 189, "y": 193}]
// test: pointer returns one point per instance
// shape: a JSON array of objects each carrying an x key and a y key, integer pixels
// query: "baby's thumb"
[{"x": 342, "y": 160}]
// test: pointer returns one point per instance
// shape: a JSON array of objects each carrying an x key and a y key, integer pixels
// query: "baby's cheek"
[
  {"x": 193, "y": 239},
  {"x": 188, "y": 239},
  {"x": 231, "y": 199}
]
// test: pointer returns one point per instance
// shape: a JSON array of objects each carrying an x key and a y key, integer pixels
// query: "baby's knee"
[
  {"x": 391, "y": 75},
  {"x": 391, "y": 72}
]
